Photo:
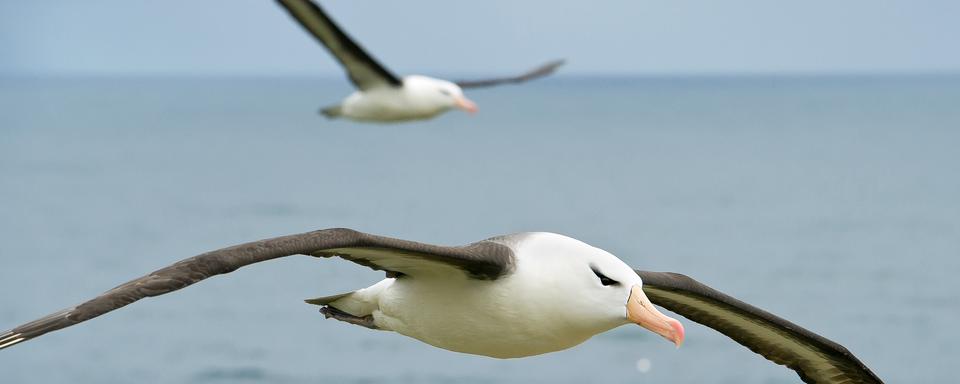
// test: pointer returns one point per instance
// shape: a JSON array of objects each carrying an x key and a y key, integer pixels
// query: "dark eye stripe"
[{"x": 604, "y": 279}]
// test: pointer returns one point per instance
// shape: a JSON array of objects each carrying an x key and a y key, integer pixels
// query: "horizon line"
[{"x": 451, "y": 75}]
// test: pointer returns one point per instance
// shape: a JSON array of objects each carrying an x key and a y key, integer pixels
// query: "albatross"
[
  {"x": 381, "y": 96},
  {"x": 518, "y": 295}
]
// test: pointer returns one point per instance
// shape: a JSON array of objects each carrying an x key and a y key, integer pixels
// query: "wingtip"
[
  {"x": 554, "y": 64},
  {"x": 9, "y": 339},
  {"x": 549, "y": 67}
]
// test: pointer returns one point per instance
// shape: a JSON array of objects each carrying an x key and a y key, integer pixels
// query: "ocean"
[{"x": 832, "y": 201}]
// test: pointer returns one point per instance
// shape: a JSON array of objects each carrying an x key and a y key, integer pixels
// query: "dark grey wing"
[
  {"x": 483, "y": 260},
  {"x": 363, "y": 70},
  {"x": 537, "y": 72},
  {"x": 815, "y": 358}
]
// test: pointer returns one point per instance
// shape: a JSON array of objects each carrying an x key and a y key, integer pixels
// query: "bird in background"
[
  {"x": 509, "y": 296},
  {"x": 381, "y": 96}
]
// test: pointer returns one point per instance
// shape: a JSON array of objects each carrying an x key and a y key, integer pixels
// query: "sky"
[{"x": 616, "y": 37}]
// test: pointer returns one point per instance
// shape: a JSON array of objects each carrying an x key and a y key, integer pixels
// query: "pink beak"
[
  {"x": 641, "y": 311},
  {"x": 466, "y": 105}
]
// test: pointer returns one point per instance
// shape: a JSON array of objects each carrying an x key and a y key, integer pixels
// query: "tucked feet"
[{"x": 365, "y": 321}]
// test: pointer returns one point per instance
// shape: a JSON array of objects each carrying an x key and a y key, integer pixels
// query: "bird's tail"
[
  {"x": 326, "y": 300},
  {"x": 349, "y": 307},
  {"x": 332, "y": 112},
  {"x": 357, "y": 303}
]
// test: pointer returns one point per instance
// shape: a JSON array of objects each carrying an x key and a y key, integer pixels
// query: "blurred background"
[{"x": 801, "y": 157}]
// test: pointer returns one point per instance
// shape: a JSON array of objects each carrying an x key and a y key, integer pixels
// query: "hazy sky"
[{"x": 256, "y": 37}]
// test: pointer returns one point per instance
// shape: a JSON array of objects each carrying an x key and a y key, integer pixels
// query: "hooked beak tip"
[
  {"x": 642, "y": 312},
  {"x": 466, "y": 105},
  {"x": 678, "y": 332}
]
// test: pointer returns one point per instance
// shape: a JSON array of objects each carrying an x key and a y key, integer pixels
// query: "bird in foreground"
[
  {"x": 381, "y": 96},
  {"x": 509, "y": 296}
]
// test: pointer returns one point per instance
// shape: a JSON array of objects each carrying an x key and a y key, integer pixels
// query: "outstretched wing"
[
  {"x": 363, "y": 70},
  {"x": 815, "y": 358},
  {"x": 535, "y": 73},
  {"x": 481, "y": 260}
]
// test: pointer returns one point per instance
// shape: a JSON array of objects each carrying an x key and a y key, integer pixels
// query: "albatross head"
[
  {"x": 598, "y": 291},
  {"x": 440, "y": 94}
]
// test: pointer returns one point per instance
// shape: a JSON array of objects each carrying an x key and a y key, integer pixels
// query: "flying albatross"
[
  {"x": 518, "y": 295},
  {"x": 381, "y": 96}
]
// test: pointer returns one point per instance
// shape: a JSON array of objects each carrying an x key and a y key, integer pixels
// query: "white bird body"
[
  {"x": 551, "y": 302},
  {"x": 419, "y": 98}
]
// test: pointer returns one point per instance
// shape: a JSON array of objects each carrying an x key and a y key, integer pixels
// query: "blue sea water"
[{"x": 831, "y": 201}]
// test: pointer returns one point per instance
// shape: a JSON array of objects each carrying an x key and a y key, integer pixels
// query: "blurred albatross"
[
  {"x": 381, "y": 96},
  {"x": 510, "y": 296}
]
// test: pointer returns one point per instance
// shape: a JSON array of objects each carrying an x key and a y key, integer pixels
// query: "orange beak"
[
  {"x": 466, "y": 105},
  {"x": 641, "y": 311}
]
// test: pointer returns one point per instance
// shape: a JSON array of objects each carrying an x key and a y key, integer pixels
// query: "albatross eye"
[
  {"x": 445, "y": 92},
  {"x": 606, "y": 281}
]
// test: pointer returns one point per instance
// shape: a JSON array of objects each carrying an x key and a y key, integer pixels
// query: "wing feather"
[
  {"x": 364, "y": 71},
  {"x": 538, "y": 72},
  {"x": 814, "y": 358},
  {"x": 481, "y": 260}
]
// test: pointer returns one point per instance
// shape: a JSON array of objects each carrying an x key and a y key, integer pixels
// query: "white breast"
[
  {"x": 394, "y": 104},
  {"x": 525, "y": 313}
]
